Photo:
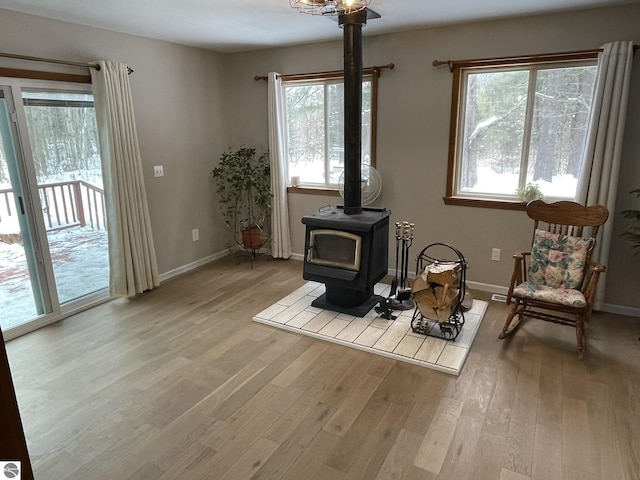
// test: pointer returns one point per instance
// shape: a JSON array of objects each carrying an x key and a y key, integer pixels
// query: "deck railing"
[{"x": 64, "y": 205}]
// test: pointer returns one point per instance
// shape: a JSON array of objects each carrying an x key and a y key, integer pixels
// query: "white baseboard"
[
  {"x": 203, "y": 261},
  {"x": 190, "y": 266},
  {"x": 607, "y": 307},
  {"x": 621, "y": 310},
  {"x": 487, "y": 287},
  {"x": 502, "y": 290}
]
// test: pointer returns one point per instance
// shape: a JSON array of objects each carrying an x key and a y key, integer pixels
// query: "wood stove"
[{"x": 349, "y": 254}]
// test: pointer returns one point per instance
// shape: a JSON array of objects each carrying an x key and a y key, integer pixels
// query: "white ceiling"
[{"x": 241, "y": 25}]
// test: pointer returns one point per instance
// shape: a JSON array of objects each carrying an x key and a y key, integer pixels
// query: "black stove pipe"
[{"x": 352, "y": 34}]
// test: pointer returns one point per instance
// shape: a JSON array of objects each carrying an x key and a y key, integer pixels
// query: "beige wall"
[
  {"x": 177, "y": 94},
  {"x": 191, "y": 104},
  {"x": 413, "y": 128}
]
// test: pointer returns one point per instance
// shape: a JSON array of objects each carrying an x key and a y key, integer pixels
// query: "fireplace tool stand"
[
  {"x": 400, "y": 295},
  {"x": 439, "y": 290}
]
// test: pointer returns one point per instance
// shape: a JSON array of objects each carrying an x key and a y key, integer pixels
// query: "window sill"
[
  {"x": 329, "y": 192},
  {"x": 485, "y": 203}
]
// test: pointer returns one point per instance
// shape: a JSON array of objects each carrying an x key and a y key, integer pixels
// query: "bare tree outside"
[
  {"x": 63, "y": 136},
  {"x": 499, "y": 155},
  {"x": 315, "y": 130},
  {"x": 494, "y": 124},
  {"x": 305, "y": 126},
  {"x": 561, "y": 115}
]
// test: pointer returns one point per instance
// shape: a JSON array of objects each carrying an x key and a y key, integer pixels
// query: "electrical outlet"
[
  {"x": 195, "y": 234},
  {"x": 158, "y": 171},
  {"x": 495, "y": 254}
]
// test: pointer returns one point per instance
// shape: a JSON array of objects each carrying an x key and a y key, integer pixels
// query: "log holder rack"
[{"x": 451, "y": 327}]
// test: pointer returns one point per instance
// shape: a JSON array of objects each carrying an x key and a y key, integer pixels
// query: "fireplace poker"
[
  {"x": 404, "y": 293},
  {"x": 400, "y": 298},
  {"x": 395, "y": 281}
]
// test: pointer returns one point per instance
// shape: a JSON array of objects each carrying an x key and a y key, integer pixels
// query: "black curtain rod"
[
  {"x": 297, "y": 76},
  {"x": 522, "y": 58},
  {"x": 59, "y": 62}
]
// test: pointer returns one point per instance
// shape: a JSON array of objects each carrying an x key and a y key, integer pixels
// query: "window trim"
[
  {"x": 372, "y": 73},
  {"x": 42, "y": 75},
  {"x": 458, "y": 68}
]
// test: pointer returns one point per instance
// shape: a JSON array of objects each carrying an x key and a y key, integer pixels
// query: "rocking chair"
[{"x": 557, "y": 275}]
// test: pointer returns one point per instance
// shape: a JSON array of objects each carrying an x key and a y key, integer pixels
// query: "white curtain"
[
  {"x": 603, "y": 149},
  {"x": 281, "y": 236},
  {"x": 132, "y": 258}
]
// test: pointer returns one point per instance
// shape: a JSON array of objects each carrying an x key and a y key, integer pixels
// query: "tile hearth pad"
[{"x": 390, "y": 338}]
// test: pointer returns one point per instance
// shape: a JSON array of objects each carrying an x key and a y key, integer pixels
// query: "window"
[
  {"x": 314, "y": 111},
  {"x": 518, "y": 123}
]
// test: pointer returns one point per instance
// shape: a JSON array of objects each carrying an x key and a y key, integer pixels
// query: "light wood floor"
[{"x": 180, "y": 383}]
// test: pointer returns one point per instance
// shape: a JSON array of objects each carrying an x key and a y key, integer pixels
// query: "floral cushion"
[
  {"x": 564, "y": 296},
  {"x": 557, "y": 260}
]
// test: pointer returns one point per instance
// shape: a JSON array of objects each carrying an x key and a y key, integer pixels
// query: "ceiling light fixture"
[{"x": 329, "y": 7}]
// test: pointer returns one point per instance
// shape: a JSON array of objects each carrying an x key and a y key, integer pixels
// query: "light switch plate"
[{"x": 158, "y": 171}]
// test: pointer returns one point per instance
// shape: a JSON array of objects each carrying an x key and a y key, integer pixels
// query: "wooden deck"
[{"x": 80, "y": 260}]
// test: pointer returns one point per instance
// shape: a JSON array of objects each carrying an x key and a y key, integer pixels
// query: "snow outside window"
[
  {"x": 520, "y": 125},
  {"x": 314, "y": 113}
]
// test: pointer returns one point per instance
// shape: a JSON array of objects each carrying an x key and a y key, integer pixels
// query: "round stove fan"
[{"x": 370, "y": 184}]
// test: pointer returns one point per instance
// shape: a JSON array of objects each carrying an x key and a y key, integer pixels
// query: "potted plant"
[
  {"x": 632, "y": 233},
  {"x": 530, "y": 192},
  {"x": 243, "y": 184}
]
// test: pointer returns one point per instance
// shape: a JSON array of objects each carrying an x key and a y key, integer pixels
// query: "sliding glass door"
[
  {"x": 64, "y": 147},
  {"x": 21, "y": 274},
  {"x": 53, "y": 237}
]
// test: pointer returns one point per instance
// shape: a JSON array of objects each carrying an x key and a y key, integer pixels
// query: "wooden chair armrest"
[
  {"x": 597, "y": 267},
  {"x": 592, "y": 275},
  {"x": 519, "y": 272}
]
